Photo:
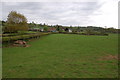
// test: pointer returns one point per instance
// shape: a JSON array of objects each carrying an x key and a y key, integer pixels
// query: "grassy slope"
[{"x": 62, "y": 55}]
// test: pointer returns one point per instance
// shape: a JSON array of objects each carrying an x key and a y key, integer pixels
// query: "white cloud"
[
  {"x": 49, "y": 0},
  {"x": 108, "y": 14},
  {"x": 73, "y": 12}
]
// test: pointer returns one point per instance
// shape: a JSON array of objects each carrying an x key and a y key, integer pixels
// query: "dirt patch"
[
  {"x": 109, "y": 57},
  {"x": 18, "y": 43}
]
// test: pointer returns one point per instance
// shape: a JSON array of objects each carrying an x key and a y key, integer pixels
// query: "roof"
[{"x": 51, "y": 29}]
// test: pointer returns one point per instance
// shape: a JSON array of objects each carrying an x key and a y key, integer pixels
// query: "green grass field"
[{"x": 63, "y": 56}]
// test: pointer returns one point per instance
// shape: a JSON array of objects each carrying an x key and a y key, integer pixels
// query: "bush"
[
  {"x": 27, "y": 32},
  {"x": 9, "y": 38},
  {"x": 15, "y": 37},
  {"x": 5, "y": 38}
]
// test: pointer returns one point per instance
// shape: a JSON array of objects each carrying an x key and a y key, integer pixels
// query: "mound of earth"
[{"x": 20, "y": 43}]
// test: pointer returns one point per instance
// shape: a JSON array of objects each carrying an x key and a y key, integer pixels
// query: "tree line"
[{"x": 18, "y": 22}]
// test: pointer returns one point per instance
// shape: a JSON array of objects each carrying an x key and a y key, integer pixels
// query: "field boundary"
[{"x": 25, "y": 36}]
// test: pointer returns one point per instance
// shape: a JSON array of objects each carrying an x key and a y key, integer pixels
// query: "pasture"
[{"x": 63, "y": 56}]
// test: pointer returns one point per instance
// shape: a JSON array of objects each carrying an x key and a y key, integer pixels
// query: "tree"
[
  {"x": 89, "y": 31},
  {"x": 111, "y": 30},
  {"x": 45, "y": 28},
  {"x": 66, "y": 29},
  {"x": 16, "y": 22},
  {"x": 59, "y": 28}
]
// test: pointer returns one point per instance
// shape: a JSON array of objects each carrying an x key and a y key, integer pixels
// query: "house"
[
  {"x": 52, "y": 29},
  {"x": 41, "y": 29},
  {"x": 63, "y": 29},
  {"x": 34, "y": 29},
  {"x": 69, "y": 30}
]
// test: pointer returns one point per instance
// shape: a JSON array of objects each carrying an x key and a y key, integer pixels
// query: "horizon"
[{"x": 70, "y": 25}]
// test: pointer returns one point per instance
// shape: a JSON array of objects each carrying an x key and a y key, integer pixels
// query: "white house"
[
  {"x": 69, "y": 30},
  {"x": 42, "y": 29}
]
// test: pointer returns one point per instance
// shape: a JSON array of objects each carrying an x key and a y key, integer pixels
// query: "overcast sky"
[{"x": 82, "y": 13}]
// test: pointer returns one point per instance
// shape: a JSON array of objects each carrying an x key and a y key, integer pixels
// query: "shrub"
[
  {"x": 8, "y": 38},
  {"x": 5, "y": 38},
  {"x": 15, "y": 37}
]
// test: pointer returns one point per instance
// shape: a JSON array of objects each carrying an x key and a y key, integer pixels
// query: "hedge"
[
  {"x": 11, "y": 38},
  {"x": 95, "y": 33},
  {"x": 19, "y": 33}
]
